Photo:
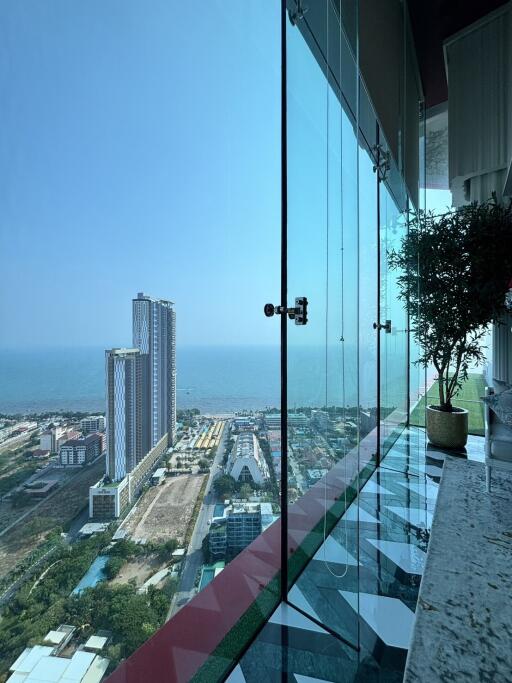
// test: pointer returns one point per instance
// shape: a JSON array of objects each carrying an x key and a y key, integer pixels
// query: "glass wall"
[
  {"x": 323, "y": 264},
  {"x": 146, "y": 450},
  {"x": 348, "y": 369},
  {"x": 140, "y": 174},
  {"x": 394, "y": 382}
]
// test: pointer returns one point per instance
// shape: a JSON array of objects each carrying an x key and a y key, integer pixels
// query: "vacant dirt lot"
[
  {"x": 165, "y": 511},
  {"x": 139, "y": 569},
  {"x": 69, "y": 499}
]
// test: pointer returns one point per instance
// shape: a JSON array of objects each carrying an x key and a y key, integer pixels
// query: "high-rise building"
[
  {"x": 154, "y": 334},
  {"x": 123, "y": 369}
]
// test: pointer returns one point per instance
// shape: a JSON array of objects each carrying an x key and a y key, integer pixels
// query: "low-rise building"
[
  {"x": 246, "y": 462},
  {"x": 52, "y": 439},
  {"x": 273, "y": 420},
  {"x": 93, "y": 423},
  {"x": 78, "y": 452},
  {"x": 49, "y": 663},
  {"x": 240, "y": 524},
  {"x": 242, "y": 422},
  {"x": 109, "y": 499},
  {"x": 47, "y": 441},
  {"x": 39, "y": 453},
  {"x": 92, "y": 528},
  {"x": 40, "y": 489},
  {"x": 158, "y": 476},
  {"x": 315, "y": 475}
]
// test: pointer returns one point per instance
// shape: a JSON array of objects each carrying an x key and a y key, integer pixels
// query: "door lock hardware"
[
  {"x": 299, "y": 312},
  {"x": 383, "y": 326}
]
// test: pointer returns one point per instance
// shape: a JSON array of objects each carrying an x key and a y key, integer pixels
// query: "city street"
[{"x": 194, "y": 557}]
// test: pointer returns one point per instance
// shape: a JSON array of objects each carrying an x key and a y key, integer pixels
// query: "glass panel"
[
  {"x": 393, "y": 343},
  {"x": 140, "y": 151},
  {"x": 323, "y": 404},
  {"x": 368, "y": 301}
]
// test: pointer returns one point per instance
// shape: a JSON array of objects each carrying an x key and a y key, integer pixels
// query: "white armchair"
[{"x": 498, "y": 442}]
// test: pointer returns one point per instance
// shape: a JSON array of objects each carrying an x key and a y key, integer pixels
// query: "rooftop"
[{"x": 38, "y": 664}]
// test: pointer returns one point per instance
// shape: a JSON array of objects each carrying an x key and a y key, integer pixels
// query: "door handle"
[{"x": 383, "y": 326}]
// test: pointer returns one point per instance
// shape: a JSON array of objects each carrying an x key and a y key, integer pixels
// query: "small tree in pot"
[{"x": 455, "y": 272}]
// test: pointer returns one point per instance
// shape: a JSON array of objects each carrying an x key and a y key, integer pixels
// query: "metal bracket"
[
  {"x": 298, "y": 14},
  {"x": 299, "y": 312},
  {"x": 383, "y": 164},
  {"x": 383, "y": 326}
]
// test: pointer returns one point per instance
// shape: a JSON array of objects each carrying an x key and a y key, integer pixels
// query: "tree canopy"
[{"x": 454, "y": 271}]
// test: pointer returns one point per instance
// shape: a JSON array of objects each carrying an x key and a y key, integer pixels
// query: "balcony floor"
[{"x": 371, "y": 565}]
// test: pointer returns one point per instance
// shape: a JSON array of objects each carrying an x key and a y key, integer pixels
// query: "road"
[{"x": 194, "y": 557}]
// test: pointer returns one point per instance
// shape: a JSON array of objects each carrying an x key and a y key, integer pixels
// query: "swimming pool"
[
  {"x": 218, "y": 510},
  {"x": 206, "y": 576},
  {"x": 94, "y": 575}
]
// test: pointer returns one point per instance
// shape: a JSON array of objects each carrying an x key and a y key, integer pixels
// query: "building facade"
[
  {"x": 273, "y": 420},
  {"x": 247, "y": 462},
  {"x": 154, "y": 334},
  {"x": 78, "y": 452},
  {"x": 109, "y": 499},
  {"x": 93, "y": 423},
  {"x": 123, "y": 369},
  {"x": 240, "y": 524}
]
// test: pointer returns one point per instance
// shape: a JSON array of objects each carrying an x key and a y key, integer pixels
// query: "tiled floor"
[{"x": 362, "y": 584}]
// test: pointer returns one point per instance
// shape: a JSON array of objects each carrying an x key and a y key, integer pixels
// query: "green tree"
[
  {"x": 245, "y": 491},
  {"x": 453, "y": 274},
  {"x": 113, "y": 567},
  {"x": 224, "y": 486},
  {"x": 166, "y": 550}
]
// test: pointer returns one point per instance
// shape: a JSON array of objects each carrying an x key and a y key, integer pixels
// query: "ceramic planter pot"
[{"x": 447, "y": 430}]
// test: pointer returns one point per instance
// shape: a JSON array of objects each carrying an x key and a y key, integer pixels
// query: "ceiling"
[{"x": 432, "y": 22}]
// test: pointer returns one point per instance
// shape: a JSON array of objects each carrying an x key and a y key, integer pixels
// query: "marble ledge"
[{"x": 463, "y": 625}]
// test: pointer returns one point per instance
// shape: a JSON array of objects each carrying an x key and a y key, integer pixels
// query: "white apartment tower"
[
  {"x": 154, "y": 334},
  {"x": 123, "y": 370}
]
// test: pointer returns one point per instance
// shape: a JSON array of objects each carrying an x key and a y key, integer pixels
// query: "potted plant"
[{"x": 454, "y": 275}]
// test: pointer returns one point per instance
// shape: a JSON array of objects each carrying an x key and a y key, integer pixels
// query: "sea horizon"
[
  {"x": 210, "y": 378},
  {"x": 213, "y": 379}
]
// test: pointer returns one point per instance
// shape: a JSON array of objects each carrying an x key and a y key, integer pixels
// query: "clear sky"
[{"x": 140, "y": 149}]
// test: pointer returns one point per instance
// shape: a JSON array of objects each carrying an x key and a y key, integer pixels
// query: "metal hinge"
[
  {"x": 383, "y": 164},
  {"x": 383, "y": 326},
  {"x": 299, "y": 312}
]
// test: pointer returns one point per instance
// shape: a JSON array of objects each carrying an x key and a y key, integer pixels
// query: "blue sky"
[{"x": 140, "y": 151}]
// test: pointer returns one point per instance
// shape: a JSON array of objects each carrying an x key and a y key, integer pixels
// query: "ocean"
[{"x": 213, "y": 379}]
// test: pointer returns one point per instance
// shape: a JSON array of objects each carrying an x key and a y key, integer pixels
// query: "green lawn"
[{"x": 468, "y": 397}]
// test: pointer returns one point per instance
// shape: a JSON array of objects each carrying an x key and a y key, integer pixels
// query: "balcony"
[{"x": 352, "y": 609}]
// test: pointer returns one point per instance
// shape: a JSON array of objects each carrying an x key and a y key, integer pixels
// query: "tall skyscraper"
[
  {"x": 154, "y": 334},
  {"x": 123, "y": 370}
]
